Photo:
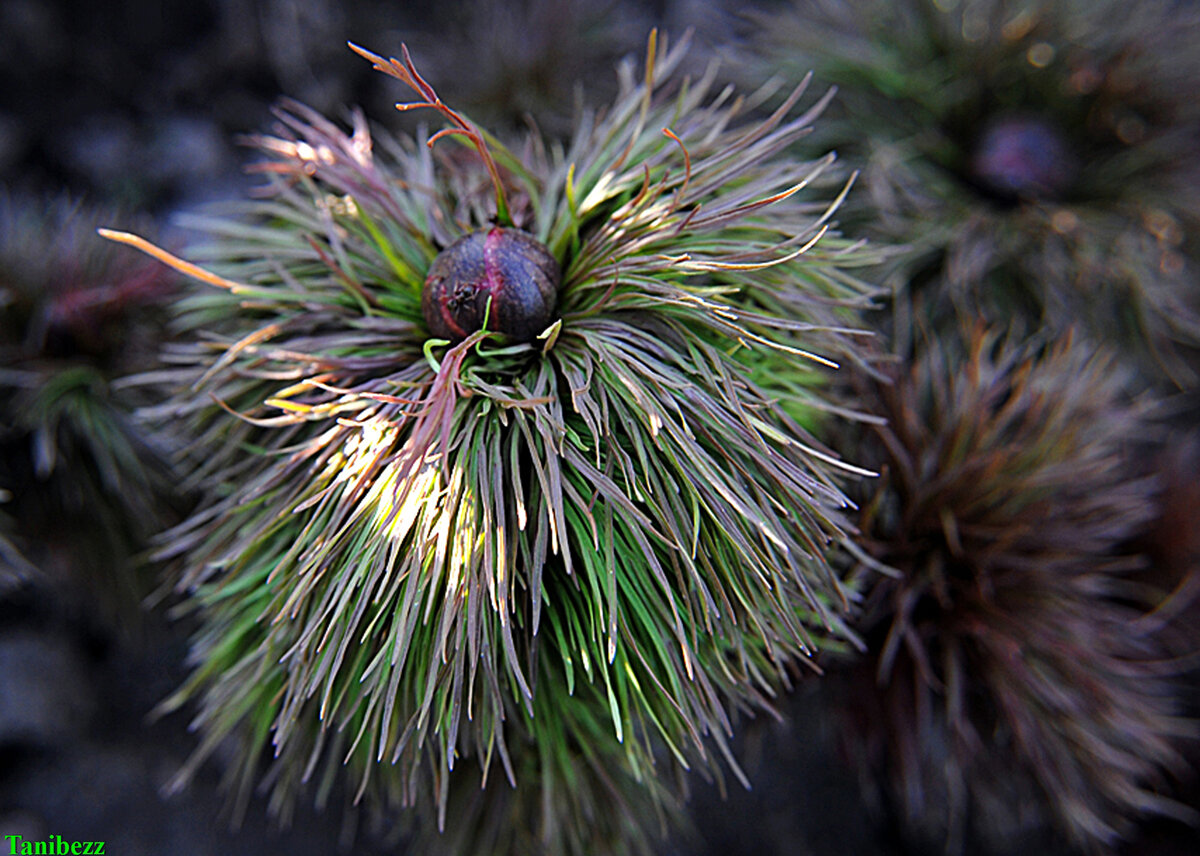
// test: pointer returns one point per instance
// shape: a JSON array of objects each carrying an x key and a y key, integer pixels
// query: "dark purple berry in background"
[
  {"x": 1022, "y": 158},
  {"x": 510, "y": 267}
]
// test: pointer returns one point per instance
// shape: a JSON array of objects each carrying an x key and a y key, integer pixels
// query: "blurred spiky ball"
[
  {"x": 559, "y": 558},
  {"x": 1039, "y": 158},
  {"x": 77, "y": 314},
  {"x": 1013, "y": 681}
]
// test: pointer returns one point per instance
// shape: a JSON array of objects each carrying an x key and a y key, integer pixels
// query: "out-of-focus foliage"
[
  {"x": 1038, "y": 158},
  {"x": 1017, "y": 672},
  {"x": 77, "y": 314}
]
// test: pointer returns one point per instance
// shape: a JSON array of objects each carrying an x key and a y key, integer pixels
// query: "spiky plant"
[
  {"x": 1037, "y": 156},
  {"x": 418, "y": 553},
  {"x": 1012, "y": 674},
  {"x": 76, "y": 315}
]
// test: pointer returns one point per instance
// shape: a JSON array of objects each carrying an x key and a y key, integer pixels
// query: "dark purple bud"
[
  {"x": 1022, "y": 158},
  {"x": 510, "y": 267}
]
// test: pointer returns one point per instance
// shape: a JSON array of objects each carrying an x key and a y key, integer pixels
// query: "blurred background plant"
[
  {"x": 75, "y": 317},
  {"x": 1020, "y": 671},
  {"x": 1038, "y": 158}
]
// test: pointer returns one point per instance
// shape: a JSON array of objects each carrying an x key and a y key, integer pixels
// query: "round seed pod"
[
  {"x": 1020, "y": 157},
  {"x": 509, "y": 267}
]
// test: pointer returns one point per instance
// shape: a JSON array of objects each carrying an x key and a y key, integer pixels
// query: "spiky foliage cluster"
[
  {"x": 1037, "y": 157},
  {"x": 540, "y": 560},
  {"x": 1011, "y": 667},
  {"x": 75, "y": 315},
  {"x": 506, "y": 64}
]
